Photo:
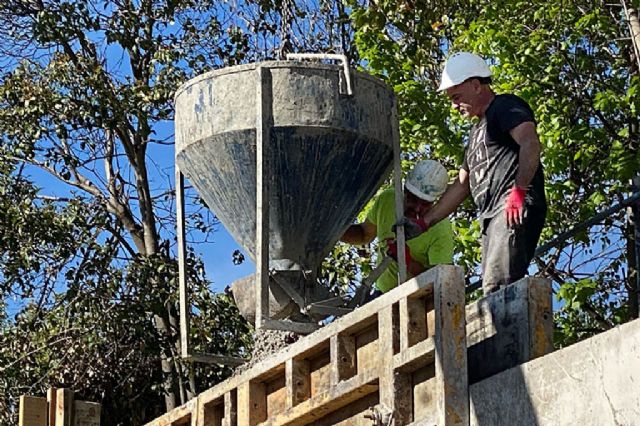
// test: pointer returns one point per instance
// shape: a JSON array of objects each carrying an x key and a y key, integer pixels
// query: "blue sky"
[{"x": 216, "y": 254}]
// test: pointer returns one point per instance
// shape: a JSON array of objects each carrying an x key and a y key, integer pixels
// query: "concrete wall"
[{"x": 593, "y": 383}]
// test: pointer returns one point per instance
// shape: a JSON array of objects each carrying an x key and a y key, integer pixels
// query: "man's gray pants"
[{"x": 507, "y": 252}]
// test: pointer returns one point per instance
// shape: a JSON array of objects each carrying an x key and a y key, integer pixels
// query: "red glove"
[
  {"x": 514, "y": 207},
  {"x": 392, "y": 250}
]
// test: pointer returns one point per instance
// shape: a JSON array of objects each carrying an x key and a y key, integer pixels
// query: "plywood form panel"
[
  {"x": 320, "y": 367},
  {"x": 276, "y": 396},
  {"x": 298, "y": 381},
  {"x": 351, "y": 415},
  {"x": 330, "y": 401},
  {"x": 33, "y": 411},
  {"x": 425, "y": 394},
  {"x": 230, "y": 408},
  {"x": 367, "y": 348},
  {"x": 343, "y": 357},
  {"x": 413, "y": 321},
  {"x": 252, "y": 403},
  {"x": 211, "y": 414}
]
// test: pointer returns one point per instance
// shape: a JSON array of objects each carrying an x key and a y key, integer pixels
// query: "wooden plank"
[
  {"x": 86, "y": 413},
  {"x": 540, "y": 318},
  {"x": 276, "y": 371},
  {"x": 52, "y": 395},
  {"x": 450, "y": 339},
  {"x": 64, "y": 407},
  {"x": 395, "y": 388},
  {"x": 320, "y": 373},
  {"x": 367, "y": 349},
  {"x": 413, "y": 322},
  {"x": 396, "y": 395},
  {"x": 415, "y": 357},
  {"x": 276, "y": 395},
  {"x": 425, "y": 394},
  {"x": 296, "y": 327},
  {"x": 334, "y": 399},
  {"x": 343, "y": 357},
  {"x": 178, "y": 416},
  {"x": 431, "y": 315},
  {"x": 210, "y": 414},
  {"x": 33, "y": 411},
  {"x": 252, "y": 403},
  {"x": 352, "y": 414},
  {"x": 205, "y": 358},
  {"x": 231, "y": 408},
  {"x": 298, "y": 381},
  {"x": 388, "y": 332}
]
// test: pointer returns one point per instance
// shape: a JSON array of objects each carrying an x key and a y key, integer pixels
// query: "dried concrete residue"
[{"x": 267, "y": 343}]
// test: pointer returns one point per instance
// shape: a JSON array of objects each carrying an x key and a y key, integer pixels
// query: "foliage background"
[{"x": 86, "y": 96}]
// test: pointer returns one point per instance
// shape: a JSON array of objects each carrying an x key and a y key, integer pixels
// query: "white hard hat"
[
  {"x": 427, "y": 180},
  {"x": 460, "y": 67}
]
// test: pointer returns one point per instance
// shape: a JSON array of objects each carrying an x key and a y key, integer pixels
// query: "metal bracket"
[
  {"x": 296, "y": 327},
  {"x": 290, "y": 291},
  {"x": 342, "y": 59},
  {"x": 206, "y": 358},
  {"x": 185, "y": 352},
  {"x": 380, "y": 415},
  {"x": 321, "y": 309}
]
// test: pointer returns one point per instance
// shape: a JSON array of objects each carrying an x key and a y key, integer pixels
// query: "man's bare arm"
[
  {"x": 361, "y": 233},
  {"x": 526, "y": 136},
  {"x": 451, "y": 199}
]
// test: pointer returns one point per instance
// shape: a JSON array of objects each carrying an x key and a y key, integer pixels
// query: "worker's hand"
[
  {"x": 392, "y": 250},
  {"x": 514, "y": 207},
  {"x": 412, "y": 227}
]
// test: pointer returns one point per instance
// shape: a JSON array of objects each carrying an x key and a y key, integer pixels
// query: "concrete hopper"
[{"x": 328, "y": 148}]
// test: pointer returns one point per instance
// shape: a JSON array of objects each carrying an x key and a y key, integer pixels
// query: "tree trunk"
[
  {"x": 634, "y": 29},
  {"x": 171, "y": 392},
  {"x": 633, "y": 254},
  {"x": 633, "y": 228}
]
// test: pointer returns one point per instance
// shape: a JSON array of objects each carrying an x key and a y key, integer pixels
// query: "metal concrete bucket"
[{"x": 330, "y": 147}]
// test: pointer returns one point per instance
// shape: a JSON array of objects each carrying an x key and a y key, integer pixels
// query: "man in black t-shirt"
[{"x": 501, "y": 171}]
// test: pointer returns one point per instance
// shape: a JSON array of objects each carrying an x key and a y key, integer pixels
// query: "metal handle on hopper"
[{"x": 342, "y": 59}]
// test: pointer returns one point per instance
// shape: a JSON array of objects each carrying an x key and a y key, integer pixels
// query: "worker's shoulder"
[
  {"x": 387, "y": 192},
  {"x": 508, "y": 100},
  {"x": 382, "y": 203},
  {"x": 386, "y": 196},
  {"x": 443, "y": 227}
]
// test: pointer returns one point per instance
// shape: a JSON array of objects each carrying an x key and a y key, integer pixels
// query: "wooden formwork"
[
  {"x": 403, "y": 353},
  {"x": 59, "y": 408},
  {"x": 509, "y": 327}
]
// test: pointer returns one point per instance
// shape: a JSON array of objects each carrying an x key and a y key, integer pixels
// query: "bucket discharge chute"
[{"x": 328, "y": 152}]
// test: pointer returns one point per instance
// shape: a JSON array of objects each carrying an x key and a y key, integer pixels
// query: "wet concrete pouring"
[{"x": 267, "y": 343}]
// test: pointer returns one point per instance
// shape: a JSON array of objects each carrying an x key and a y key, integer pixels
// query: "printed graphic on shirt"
[{"x": 478, "y": 162}]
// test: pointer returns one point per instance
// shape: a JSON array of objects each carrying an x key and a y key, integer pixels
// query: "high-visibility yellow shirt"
[{"x": 431, "y": 248}]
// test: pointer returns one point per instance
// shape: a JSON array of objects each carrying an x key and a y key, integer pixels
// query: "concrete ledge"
[{"x": 592, "y": 383}]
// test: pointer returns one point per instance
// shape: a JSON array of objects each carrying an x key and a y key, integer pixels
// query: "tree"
[
  {"x": 86, "y": 87},
  {"x": 85, "y": 96},
  {"x": 575, "y": 64}
]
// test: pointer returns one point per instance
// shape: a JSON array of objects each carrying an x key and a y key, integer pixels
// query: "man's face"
[
  {"x": 465, "y": 97},
  {"x": 414, "y": 206}
]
